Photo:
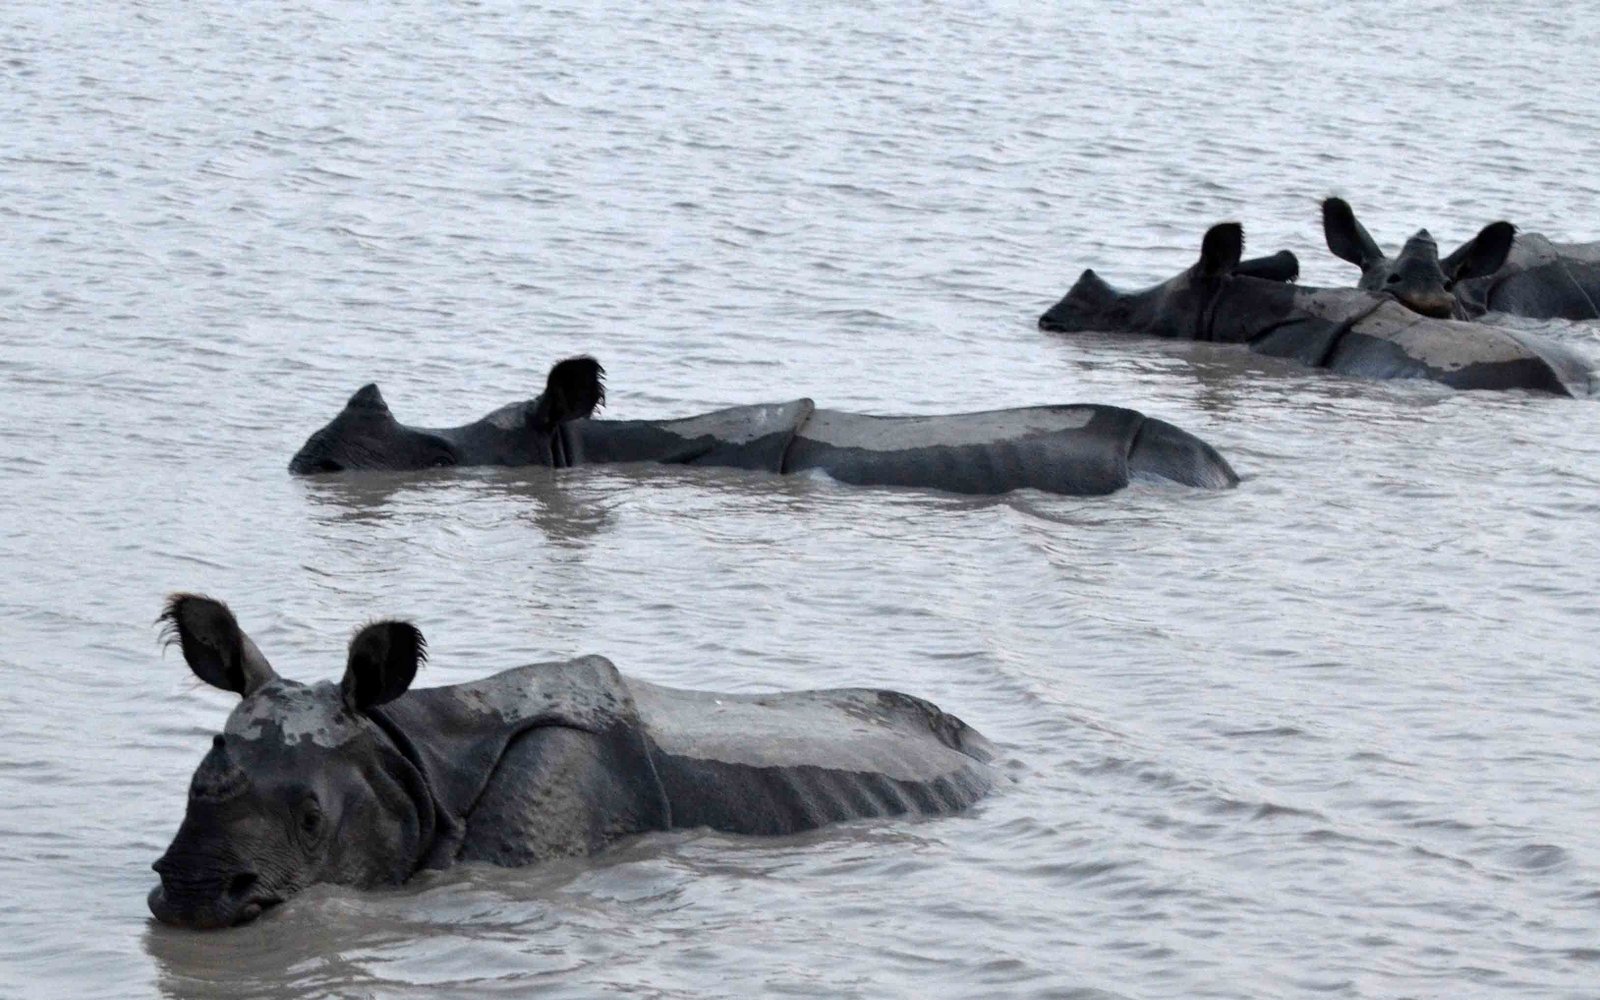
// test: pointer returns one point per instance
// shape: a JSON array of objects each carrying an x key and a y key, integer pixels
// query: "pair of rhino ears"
[
  {"x": 1479, "y": 257},
  {"x": 1222, "y": 248},
  {"x": 382, "y": 662}
]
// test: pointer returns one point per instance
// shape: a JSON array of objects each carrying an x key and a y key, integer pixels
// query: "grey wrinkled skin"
[
  {"x": 365, "y": 782},
  {"x": 1349, "y": 331},
  {"x": 1499, "y": 270},
  {"x": 1069, "y": 449}
]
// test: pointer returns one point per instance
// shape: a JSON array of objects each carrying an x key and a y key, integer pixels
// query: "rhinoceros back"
[
  {"x": 740, "y": 437},
  {"x": 783, "y": 763},
  {"x": 1393, "y": 342}
]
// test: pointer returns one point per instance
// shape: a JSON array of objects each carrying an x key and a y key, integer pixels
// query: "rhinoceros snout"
[
  {"x": 211, "y": 904},
  {"x": 1438, "y": 305}
]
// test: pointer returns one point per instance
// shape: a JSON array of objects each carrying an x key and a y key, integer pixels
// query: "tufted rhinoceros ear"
[
  {"x": 384, "y": 658},
  {"x": 1220, "y": 250},
  {"x": 574, "y": 389},
  {"x": 216, "y": 649},
  {"x": 1482, "y": 255},
  {"x": 1346, "y": 236}
]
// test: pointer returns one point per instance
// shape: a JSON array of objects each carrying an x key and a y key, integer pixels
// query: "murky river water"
[{"x": 1334, "y": 733}]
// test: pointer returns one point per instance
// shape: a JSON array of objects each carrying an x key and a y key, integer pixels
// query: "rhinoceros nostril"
[{"x": 241, "y": 884}]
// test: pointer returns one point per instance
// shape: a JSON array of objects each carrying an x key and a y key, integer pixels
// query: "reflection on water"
[
  {"x": 360, "y": 497},
  {"x": 541, "y": 497}
]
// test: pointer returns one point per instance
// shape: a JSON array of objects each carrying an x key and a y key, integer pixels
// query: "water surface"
[{"x": 1333, "y": 733}]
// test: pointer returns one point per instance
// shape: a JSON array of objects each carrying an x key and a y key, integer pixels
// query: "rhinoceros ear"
[
  {"x": 1348, "y": 238},
  {"x": 1220, "y": 250},
  {"x": 1482, "y": 255},
  {"x": 384, "y": 658},
  {"x": 573, "y": 391},
  {"x": 216, "y": 649},
  {"x": 1281, "y": 266}
]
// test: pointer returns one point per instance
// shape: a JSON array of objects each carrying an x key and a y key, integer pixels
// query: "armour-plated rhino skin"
[
  {"x": 1069, "y": 449},
  {"x": 1499, "y": 270},
  {"x": 1346, "y": 330},
  {"x": 366, "y": 782}
]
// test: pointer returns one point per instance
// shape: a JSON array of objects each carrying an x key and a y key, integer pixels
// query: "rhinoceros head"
[
  {"x": 304, "y": 784},
  {"x": 1417, "y": 277},
  {"x": 365, "y": 435},
  {"x": 1175, "y": 308}
]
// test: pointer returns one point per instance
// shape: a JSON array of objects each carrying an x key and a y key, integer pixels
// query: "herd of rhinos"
[{"x": 366, "y": 782}]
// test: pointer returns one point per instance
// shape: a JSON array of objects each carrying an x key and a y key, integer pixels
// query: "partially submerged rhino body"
[
  {"x": 366, "y": 782},
  {"x": 1074, "y": 449},
  {"x": 1499, "y": 270},
  {"x": 1345, "y": 330}
]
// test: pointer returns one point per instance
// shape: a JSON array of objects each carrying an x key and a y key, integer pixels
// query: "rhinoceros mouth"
[
  {"x": 253, "y": 909},
  {"x": 1432, "y": 306},
  {"x": 241, "y": 904}
]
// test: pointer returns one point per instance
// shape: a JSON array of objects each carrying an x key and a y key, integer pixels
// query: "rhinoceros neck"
[
  {"x": 1243, "y": 308},
  {"x": 457, "y": 735},
  {"x": 434, "y": 823},
  {"x": 503, "y": 437}
]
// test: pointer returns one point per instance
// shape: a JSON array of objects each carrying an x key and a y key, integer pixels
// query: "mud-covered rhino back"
[
  {"x": 793, "y": 761},
  {"x": 1353, "y": 332},
  {"x": 1075, "y": 449}
]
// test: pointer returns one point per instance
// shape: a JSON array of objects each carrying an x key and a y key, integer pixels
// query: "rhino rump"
[
  {"x": 754, "y": 764},
  {"x": 1080, "y": 450},
  {"x": 1391, "y": 342}
]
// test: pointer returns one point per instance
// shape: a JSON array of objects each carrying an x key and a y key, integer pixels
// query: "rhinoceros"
[
  {"x": 368, "y": 781},
  {"x": 1498, "y": 270},
  {"x": 1072, "y": 449},
  {"x": 1347, "y": 330}
]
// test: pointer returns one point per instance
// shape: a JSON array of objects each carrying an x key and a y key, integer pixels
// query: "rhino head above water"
[
  {"x": 367, "y": 781},
  {"x": 1416, "y": 276},
  {"x": 302, "y": 786},
  {"x": 1499, "y": 270},
  {"x": 365, "y": 435},
  {"x": 1177, "y": 308}
]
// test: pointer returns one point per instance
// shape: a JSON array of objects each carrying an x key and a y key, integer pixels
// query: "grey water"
[{"x": 1333, "y": 733}]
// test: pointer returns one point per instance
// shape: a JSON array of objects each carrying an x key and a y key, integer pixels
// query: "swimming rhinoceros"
[
  {"x": 365, "y": 782},
  {"x": 1499, "y": 270},
  {"x": 1346, "y": 330},
  {"x": 1075, "y": 449}
]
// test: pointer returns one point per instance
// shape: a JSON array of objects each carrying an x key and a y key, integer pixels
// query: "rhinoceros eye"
[{"x": 310, "y": 819}]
